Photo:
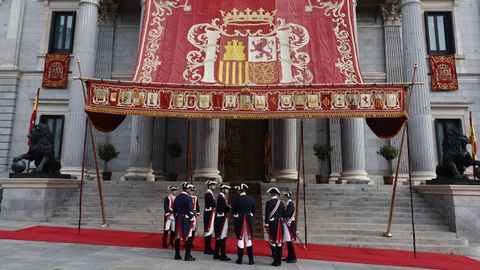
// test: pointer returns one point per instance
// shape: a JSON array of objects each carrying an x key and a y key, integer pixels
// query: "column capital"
[
  {"x": 406, "y": 2},
  {"x": 391, "y": 15},
  {"x": 107, "y": 13},
  {"x": 355, "y": 3},
  {"x": 142, "y": 3},
  {"x": 95, "y": 2}
]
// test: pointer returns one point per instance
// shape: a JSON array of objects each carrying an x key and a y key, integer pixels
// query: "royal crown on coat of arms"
[{"x": 236, "y": 17}]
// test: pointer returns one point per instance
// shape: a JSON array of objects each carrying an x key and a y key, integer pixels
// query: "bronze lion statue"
[
  {"x": 456, "y": 158},
  {"x": 41, "y": 150}
]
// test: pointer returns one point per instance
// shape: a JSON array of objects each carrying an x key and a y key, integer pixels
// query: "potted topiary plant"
[
  {"x": 322, "y": 151},
  {"x": 107, "y": 152},
  {"x": 389, "y": 153},
  {"x": 175, "y": 151}
]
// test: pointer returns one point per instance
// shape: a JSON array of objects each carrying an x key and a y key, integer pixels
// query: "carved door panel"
[{"x": 245, "y": 153}]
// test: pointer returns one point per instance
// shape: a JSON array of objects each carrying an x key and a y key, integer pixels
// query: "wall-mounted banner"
[
  {"x": 55, "y": 70},
  {"x": 238, "y": 42},
  {"x": 241, "y": 102},
  {"x": 444, "y": 72}
]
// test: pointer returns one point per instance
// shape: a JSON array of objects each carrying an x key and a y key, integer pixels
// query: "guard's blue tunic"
[
  {"x": 289, "y": 219},
  {"x": 243, "y": 208},
  {"x": 184, "y": 216},
  {"x": 274, "y": 212},
  {"x": 209, "y": 211},
  {"x": 221, "y": 217}
]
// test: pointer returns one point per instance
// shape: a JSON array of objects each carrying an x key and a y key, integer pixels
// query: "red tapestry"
[
  {"x": 444, "y": 72},
  {"x": 245, "y": 42},
  {"x": 55, "y": 70},
  {"x": 241, "y": 102}
]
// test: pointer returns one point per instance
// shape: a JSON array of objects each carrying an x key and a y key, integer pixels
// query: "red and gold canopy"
[{"x": 247, "y": 59}]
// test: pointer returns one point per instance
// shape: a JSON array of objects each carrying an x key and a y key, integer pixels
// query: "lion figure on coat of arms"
[
  {"x": 456, "y": 158},
  {"x": 41, "y": 150}
]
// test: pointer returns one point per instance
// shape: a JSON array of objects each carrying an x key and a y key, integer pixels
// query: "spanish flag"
[
  {"x": 33, "y": 118},
  {"x": 473, "y": 140}
]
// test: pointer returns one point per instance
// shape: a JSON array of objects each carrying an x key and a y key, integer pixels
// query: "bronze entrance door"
[{"x": 245, "y": 153}]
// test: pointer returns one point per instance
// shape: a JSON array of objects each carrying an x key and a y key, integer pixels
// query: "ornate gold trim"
[{"x": 245, "y": 115}]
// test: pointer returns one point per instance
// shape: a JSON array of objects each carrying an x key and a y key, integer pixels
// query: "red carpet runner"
[{"x": 261, "y": 248}]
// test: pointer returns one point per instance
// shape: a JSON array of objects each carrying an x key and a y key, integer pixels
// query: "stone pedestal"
[
  {"x": 34, "y": 199},
  {"x": 459, "y": 205}
]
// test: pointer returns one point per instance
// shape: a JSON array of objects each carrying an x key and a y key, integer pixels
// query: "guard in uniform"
[
  {"x": 169, "y": 219},
  {"x": 289, "y": 227},
  {"x": 184, "y": 221},
  {"x": 209, "y": 216},
  {"x": 274, "y": 212},
  {"x": 243, "y": 208},
  {"x": 221, "y": 224},
  {"x": 196, "y": 211}
]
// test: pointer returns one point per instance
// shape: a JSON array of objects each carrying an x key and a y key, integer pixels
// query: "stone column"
[
  {"x": 12, "y": 39},
  {"x": 336, "y": 145},
  {"x": 353, "y": 143},
  {"x": 141, "y": 142},
  {"x": 420, "y": 119},
  {"x": 85, "y": 48},
  {"x": 207, "y": 140},
  {"x": 103, "y": 66},
  {"x": 159, "y": 148},
  {"x": 394, "y": 68},
  {"x": 285, "y": 150}
]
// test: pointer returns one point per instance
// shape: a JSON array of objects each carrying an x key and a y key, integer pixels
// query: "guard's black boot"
[
  {"x": 223, "y": 244},
  {"x": 165, "y": 236},
  {"x": 274, "y": 255},
  {"x": 216, "y": 254},
  {"x": 188, "y": 255},
  {"x": 279, "y": 256},
  {"x": 272, "y": 249},
  {"x": 240, "y": 256},
  {"x": 292, "y": 257},
  {"x": 208, "y": 245},
  {"x": 172, "y": 238},
  {"x": 177, "y": 250},
  {"x": 191, "y": 242},
  {"x": 250, "y": 255}
]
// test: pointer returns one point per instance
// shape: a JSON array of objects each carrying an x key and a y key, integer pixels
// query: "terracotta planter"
[
  {"x": 321, "y": 179},
  {"x": 106, "y": 176},
  {"x": 388, "y": 180},
  {"x": 172, "y": 176}
]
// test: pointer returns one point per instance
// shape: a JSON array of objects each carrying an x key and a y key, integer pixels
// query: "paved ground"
[
  {"x": 22, "y": 255},
  {"x": 26, "y": 255}
]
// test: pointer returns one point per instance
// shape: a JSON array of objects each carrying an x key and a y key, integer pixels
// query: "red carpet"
[{"x": 261, "y": 248}]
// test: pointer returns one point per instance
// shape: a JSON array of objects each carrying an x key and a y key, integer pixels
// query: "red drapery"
[{"x": 257, "y": 59}]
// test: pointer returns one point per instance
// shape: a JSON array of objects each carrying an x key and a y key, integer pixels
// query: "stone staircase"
[
  {"x": 344, "y": 215},
  {"x": 357, "y": 216}
]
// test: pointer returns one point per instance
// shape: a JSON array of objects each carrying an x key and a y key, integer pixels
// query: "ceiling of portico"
[{"x": 126, "y": 4}]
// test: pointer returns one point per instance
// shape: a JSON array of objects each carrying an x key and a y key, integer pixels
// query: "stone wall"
[
  {"x": 34, "y": 199},
  {"x": 459, "y": 206}
]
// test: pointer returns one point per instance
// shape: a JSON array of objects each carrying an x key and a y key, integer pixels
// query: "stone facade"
[{"x": 25, "y": 30}]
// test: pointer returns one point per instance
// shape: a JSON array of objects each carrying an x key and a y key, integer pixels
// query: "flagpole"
[
  {"x": 388, "y": 233},
  {"x": 89, "y": 125},
  {"x": 473, "y": 142}
]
